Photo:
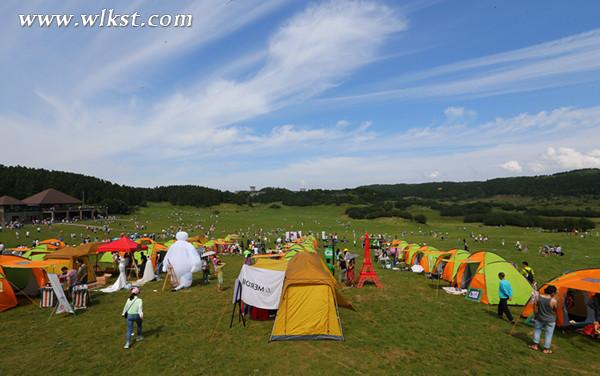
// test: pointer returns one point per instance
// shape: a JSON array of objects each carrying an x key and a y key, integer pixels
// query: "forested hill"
[
  {"x": 22, "y": 182},
  {"x": 572, "y": 183}
]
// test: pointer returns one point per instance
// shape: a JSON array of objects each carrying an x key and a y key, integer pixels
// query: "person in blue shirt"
[{"x": 505, "y": 295}]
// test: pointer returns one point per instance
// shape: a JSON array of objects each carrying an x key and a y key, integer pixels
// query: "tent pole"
[{"x": 518, "y": 318}]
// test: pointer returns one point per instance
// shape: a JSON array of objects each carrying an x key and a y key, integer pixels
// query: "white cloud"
[
  {"x": 572, "y": 159},
  {"x": 551, "y": 64},
  {"x": 342, "y": 123},
  {"x": 313, "y": 51},
  {"x": 458, "y": 112},
  {"x": 512, "y": 166},
  {"x": 536, "y": 167},
  {"x": 434, "y": 174}
]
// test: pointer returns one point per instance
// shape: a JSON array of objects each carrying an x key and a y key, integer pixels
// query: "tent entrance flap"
[{"x": 468, "y": 275}]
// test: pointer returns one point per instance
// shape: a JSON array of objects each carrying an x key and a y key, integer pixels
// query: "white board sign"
[
  {"x": 261, "y": 288},
  {"x": 63, "y": 303}
]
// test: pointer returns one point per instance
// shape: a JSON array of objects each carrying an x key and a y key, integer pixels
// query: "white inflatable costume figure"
[
  {"x": 184, "y": 259},
  {"x": 121, "y": 282},
  {"x": 148, "y": 274}
]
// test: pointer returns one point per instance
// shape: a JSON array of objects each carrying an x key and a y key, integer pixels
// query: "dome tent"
[
  {"x": 479, "y": 274},
  {"x": 447, "y": 264},
  {"x": 576, "y": 292},
  {"x": 308, "y": 309}
]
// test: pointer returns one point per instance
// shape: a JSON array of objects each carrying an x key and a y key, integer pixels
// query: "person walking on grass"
[
  {"x": 544, "y": 318},
  {"x": 505, "y": 294},
  {"x": 133, "y": 312},
  {"x": 219, "y": 271}
]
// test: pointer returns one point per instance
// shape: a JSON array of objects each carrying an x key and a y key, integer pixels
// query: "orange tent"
[
  {"x": 575, "y": 291},
  {"x": 53, "y": 243},
  {"x": 428, "y": 258},
  {"x": 447, "y": 263},
  {"x": 20, "y": 274}
]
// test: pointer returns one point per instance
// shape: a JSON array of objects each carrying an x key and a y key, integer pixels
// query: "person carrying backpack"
[{"x": 528, "y": 273}]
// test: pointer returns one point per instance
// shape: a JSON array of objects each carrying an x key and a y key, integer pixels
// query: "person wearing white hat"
[{"x": 133, "y": 312}]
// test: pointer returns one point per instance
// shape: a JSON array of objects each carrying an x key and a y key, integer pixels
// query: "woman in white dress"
[{"x": 121, "y": 282}]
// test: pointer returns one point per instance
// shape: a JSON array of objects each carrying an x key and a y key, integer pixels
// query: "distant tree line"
[
  {"x": 525, "y": 220},
  {"x": 371, "y": 201},
  {"x": 382, "y": 211}
]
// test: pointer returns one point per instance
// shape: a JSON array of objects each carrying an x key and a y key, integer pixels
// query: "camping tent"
[
  {"x": 305, "y": 244},
  {"x": 152, "y": 248},
  {"x": 53, "y": 243},
  {"x": 427, "y": 259},
  {"x": 20, "y": 275},
  {"x": 123, "y": 244},
  {"x": 409, "y": 253},
  {"x": 479, "y": 274},
  {"x": 576, "y": 291},
  {"x": 37, "y": 253},
  {"x": 447, "y": 263},
  {"x": 84, "y": 252},
  {"x": 309, "y": 302}
]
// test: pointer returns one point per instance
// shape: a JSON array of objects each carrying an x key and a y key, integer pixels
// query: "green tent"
[
  {"x": 38, "y": 253},
  {"x": 306, "y": 246},
  {"x": 409, "y": 252},
  {"x": 447, "y": 263},
  {"x": 479, "y": 275},
  {"x": 148, "y": 252}
]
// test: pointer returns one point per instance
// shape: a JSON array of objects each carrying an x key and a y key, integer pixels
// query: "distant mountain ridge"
[{"x": 21, "y": 182}]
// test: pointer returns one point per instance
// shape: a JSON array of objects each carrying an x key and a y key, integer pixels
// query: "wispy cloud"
[
  {"x": 311, "y": 52},
  {"x": 544, "y": 142},
  {"x": 556, "y": 63}
]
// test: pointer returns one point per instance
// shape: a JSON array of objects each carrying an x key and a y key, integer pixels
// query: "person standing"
[
  {"x": 219, "y": 270},
  {"x": 342, "y": 264},
  {"x": 544, "y": 318},
  {"x": 133, "y": 312},
  {"x": 505, "y": 294},
  {"x": 528, "y": 273},
  {"x": 350, "y": 273},
  {"x": 205, "y": 270}
]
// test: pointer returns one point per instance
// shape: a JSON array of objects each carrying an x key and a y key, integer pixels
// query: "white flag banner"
[
  {"x": 63, "y": 303},
  {"x": 261, "y": 288}
]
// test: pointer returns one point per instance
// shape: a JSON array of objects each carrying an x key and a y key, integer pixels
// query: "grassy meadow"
[{"x": 405, "y": 328}]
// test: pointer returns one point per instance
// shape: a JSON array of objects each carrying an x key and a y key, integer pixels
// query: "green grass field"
[{"x": 404, "y": 328}]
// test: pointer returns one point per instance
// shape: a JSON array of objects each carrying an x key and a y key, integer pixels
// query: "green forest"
[{"x": 458, "y": 199}]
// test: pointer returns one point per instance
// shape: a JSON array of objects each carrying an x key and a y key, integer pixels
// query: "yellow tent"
[
  {"x": 85, "y": 252},
  {"x": 271, "y": 264},
  {"x": 308, "y": 309}
]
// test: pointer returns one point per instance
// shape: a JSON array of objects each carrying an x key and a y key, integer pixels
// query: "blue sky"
[{"x": 323, "y": 94}]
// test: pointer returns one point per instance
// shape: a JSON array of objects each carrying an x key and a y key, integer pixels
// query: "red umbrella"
[{"x": 122, "y": 245}]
